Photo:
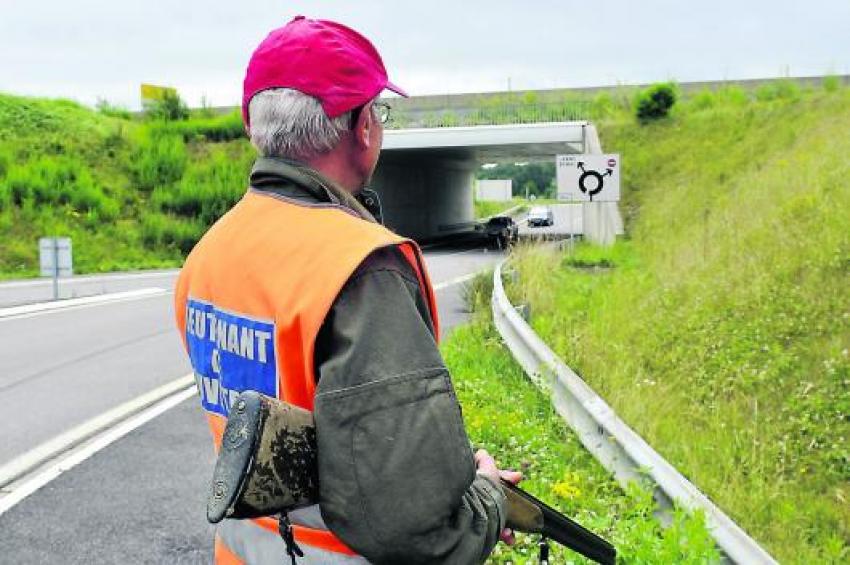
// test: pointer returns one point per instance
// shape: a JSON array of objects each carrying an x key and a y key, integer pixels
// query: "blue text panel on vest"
[{"x": 229, "y": 353}]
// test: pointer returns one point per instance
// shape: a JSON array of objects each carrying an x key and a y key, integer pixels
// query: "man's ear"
[{"x": 363, "y": 127}]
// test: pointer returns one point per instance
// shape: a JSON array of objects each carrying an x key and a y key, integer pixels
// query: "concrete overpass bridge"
[{"x": 425, "y": 176}]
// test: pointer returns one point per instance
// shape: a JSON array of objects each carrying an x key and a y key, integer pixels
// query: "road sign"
[
  {"x": 151, "y": 94},
  {"x": 588, "y": 178},
  {"x": 55, "y": 256}
]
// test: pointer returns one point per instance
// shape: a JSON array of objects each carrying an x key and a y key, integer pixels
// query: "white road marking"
[
  {"x": 454, "y": 281},
  {"x": 29, "y": 310},
  {"x": 67, "y": 440},
  {"x": 31, "y": 484},
  {"x": 86, "y": 279}
]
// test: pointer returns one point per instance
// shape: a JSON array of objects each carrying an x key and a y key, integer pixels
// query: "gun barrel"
[{"x": 567, "y": 532}]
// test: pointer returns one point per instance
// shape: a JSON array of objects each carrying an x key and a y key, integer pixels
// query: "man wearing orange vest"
[{"x": 300, "y": 294}]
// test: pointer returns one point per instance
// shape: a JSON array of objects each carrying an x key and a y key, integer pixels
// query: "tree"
[
  {"x": 169, "y": 108},
  {"x": 538, "y": 178}
]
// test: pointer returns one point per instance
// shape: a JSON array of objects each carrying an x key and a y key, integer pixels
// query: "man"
[{"x": 298, "y": 293}]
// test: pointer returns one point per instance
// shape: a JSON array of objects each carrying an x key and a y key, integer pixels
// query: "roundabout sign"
[{"x": 588, "y": 178}]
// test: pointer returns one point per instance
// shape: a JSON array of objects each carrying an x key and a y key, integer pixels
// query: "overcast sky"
[{"x": 90, "y": 49}]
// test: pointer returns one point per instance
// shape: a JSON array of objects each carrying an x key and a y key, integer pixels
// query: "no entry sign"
[{"x": 588, "y": 178}]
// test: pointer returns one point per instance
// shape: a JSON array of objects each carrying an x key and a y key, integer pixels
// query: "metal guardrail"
[{"x": 619, "y": 448}]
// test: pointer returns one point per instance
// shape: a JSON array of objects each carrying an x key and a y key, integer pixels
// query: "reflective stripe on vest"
[
  {"x": 240, "y": 542},
  {"x": 250, "y": 301}
]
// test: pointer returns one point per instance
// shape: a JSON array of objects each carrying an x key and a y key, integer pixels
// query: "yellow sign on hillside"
[{"x": 152, "y": 93}]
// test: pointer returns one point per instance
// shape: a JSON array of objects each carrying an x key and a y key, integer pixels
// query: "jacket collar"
[{"x": 300, "y": 182}]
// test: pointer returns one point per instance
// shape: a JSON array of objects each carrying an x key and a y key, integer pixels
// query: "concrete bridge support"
[{"x": 425, "y": 197}]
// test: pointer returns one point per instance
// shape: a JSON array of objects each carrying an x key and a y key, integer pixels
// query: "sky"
[{"x": 88, "y": 50}]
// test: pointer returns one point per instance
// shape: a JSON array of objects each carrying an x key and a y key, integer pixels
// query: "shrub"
[
  {"x": 205, "y": 111},
  {"x": 602, "y": 105},
  {"x": 530, "y": 98},
  {"x": 154, "y": 226},
  {"x": 831, "y": 83},
  {"x": 207, "y": 191},
  {"x": 107, "y": 212},
  {"x": 217, "y": 128},
  {"x": 164, "y": 230},
  {"x": 104, "y": 107},
  {"x": 57, "y": 181},
  {"x": 703, "y": 100},
  {"x": 171, "y": 107},
  {"x": 655, "y": 102},
  {"x": 732, "y": 95},
  {"x": 160, "y": 160},
  {"x": 114, "y": 140},
  {"x": 778, "y": 90}
]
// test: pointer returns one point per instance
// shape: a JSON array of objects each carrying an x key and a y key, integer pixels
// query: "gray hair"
[{"x": 290, "y": 124}]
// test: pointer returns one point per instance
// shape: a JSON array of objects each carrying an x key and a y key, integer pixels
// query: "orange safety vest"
[{"x": 250, "y": 301}]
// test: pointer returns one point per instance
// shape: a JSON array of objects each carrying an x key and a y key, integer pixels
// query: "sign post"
[
  {"x": 55, "y": 260},
  {"x": 590, "y": 179}
]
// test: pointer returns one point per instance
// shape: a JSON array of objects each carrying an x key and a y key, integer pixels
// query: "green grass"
[
  {"x": 487, "y": 208},
  {"x": 505, "y": 414},
  {"x": 720, "y": 329},
  {"x": 131, "y": 194}
]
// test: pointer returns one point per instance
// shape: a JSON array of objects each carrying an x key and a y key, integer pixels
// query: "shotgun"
[
  {"x": 267, "y": 466},
  {"x": 531, "y": 515}
]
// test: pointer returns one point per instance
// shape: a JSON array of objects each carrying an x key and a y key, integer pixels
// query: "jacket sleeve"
[{"x": 396, "y": 472}]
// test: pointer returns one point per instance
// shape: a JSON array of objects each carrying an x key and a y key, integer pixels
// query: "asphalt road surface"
[
  {"x": 568, "y": 220},
  {"x": 13, "y": 293},
  {"x": 142, "y": 498}
]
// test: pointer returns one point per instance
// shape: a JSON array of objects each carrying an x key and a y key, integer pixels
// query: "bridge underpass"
[{"x": 425, "y": 176}]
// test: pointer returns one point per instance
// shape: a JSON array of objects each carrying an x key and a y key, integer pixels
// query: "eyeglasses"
[{"x": 382, "y": 111}]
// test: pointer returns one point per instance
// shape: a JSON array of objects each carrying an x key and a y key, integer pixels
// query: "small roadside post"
[{"x": 55, "y": 260}]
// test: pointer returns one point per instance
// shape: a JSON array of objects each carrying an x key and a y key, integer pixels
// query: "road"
[
  {"x": 568, "y": 220},
  {"x": 13, "y": 293},
  {"x": 141, "y": 498}
]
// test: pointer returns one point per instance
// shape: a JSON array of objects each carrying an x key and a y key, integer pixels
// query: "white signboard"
[
  {"x": 495, "y": 190},
  {"x": 55, "y": 257},
  {"x": 588, "y": 178}
]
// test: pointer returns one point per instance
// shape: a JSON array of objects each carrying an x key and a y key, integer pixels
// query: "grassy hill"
[
  {"x": 720, "y": 328},
  {"x": 130, "y": 194}
]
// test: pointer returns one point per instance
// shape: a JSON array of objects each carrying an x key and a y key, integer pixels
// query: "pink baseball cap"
[{"x": 324, "y": 59}]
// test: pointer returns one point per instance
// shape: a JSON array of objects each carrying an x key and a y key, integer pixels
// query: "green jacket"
[{"x": 396, "y": 473}]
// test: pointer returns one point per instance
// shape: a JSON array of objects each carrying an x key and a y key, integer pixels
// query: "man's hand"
[{"x": 486, "y": 465}]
